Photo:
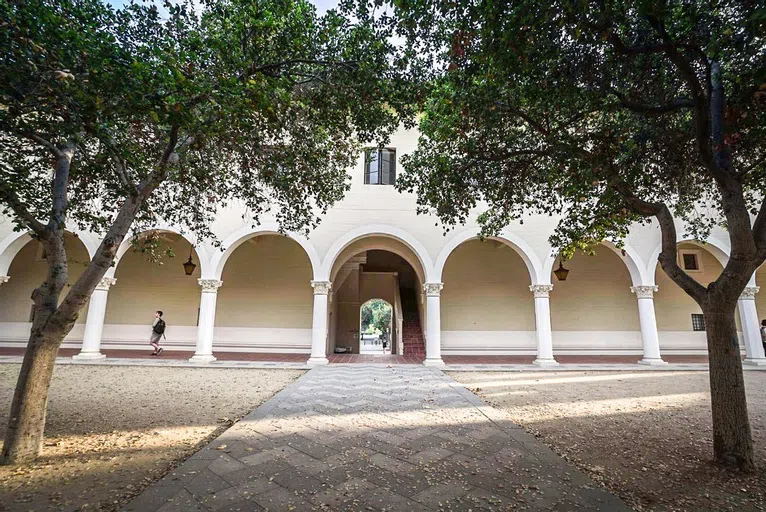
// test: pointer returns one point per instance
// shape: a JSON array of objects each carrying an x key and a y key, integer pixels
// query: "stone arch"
[
  {"x": 204, "y": 261},
  {"x": 424, "y": 268},
  {"x": 594, "y": 306},
  {"x": 239, "y": 237},
  {"x": 506, "y": 237},
  {"x": 21, "y": 259},
  {"x": 15, "y": 242},
  {"x": 633, "y": 262},
  {"x": 719, "y": 248}
]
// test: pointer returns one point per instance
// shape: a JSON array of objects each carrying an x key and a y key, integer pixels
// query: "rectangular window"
[
  {"x": 690, "y": 261},
  {"x": 380, "y": 166},
  {"x": 698, "y": 322}
]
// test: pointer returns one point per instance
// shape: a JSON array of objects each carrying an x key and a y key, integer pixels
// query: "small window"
[
  {"x": 698, "y": 322},
  {"x": 690, "y": 261},
  {"x": 379, "y": 166}
]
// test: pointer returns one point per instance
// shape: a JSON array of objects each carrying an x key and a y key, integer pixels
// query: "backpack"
[{"x": 160, "y": 327}]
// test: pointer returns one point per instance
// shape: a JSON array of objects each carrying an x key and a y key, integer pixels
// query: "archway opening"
[
  {"x": 377, "y": 267},
  {"x": 266, "y": 301},
  {"x": 680, "y": 324},
  {"x": 486, "y": 302},
  {"x": 594, "y": 310},
  {"x": 375, "y": 327},
  {"x": 27, "y": 271},
  {"x": 151, "y": 277}
]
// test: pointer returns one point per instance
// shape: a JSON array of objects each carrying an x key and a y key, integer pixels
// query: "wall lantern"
[
  {"x": 561, "y": 272},
  {"x": 189, "y": 266}
]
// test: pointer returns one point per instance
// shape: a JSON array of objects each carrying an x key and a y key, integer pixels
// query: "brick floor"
[
  {"x": 373, "y": 359},
  {"x": 370, "y": 358},
  {"x": 371, "y": 437}
]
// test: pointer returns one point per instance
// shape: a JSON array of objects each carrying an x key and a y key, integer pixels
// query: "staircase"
[{"x": 412, "y": 332}]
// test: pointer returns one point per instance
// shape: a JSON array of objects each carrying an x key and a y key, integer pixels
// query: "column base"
[
  {"x": 545, "y": 363},
  {"x": 651, "y": 362},
  {"x": 88, "y": 356},
  {"x": 317, "y": 361},
  {"x": 754, "y": 362},
  {"x": 202, "y": 358},
  {"x": 433, "y": 362}
]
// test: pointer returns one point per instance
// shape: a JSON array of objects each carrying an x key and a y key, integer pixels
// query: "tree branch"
[
  {"x": 668, "y": 257},
  {"x": 44, "y": 142},
  {"x": 22, "y": 212},
  {"x": 61, "y": 186},
  {"x": 652, "y": 110},
  {"x": 759, "y": 227}
]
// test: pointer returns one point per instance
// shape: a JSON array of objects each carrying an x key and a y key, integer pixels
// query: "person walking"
[
  {"x": 158, "y": 331},
  {"x": 763, "y": 334}
]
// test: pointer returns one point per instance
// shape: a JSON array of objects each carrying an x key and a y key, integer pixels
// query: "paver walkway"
[{"x": 375, "y": 438}]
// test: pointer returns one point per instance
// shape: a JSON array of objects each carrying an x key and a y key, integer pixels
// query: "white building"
[{"x": 265, "y": 292}]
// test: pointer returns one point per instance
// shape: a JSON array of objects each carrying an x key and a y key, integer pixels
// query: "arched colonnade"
[{"x": 642, "y": 275}]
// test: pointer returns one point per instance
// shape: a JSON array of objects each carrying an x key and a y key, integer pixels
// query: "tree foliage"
[
  {"x": 116, "y": 120},
  {"x": 376, "y": 316},
  {"x": 605, "y": 114}
]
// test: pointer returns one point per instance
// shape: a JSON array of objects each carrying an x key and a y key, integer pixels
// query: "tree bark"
[
  {"x": 24, "y": 437},
  {"x": 54, "y": 320},
  {"x": 26, "y": 423},
  {"x": 732, "y": 439}
]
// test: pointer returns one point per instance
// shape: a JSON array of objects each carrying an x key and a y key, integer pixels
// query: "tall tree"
[
  {"x": 607, "y": 113},
  {"x": 117, "y": 118}
]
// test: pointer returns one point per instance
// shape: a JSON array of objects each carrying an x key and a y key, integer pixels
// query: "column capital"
[
  {"x": 321, "y": 287},
  {"x": 433, "y": 289},
  {"x": 210, "y": 285},
  {"x": 644, "y": 291},
  {"x": 541, "y": 291},
  {"x": 749, "y": 292},
  {"x": 4, "y": 279},
  {"x": 106, "y": 283}
]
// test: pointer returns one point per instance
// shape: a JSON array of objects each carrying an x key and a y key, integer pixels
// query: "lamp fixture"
[
  {"x": 561, "y": 272},
  {"x": 189, "y": 266}
]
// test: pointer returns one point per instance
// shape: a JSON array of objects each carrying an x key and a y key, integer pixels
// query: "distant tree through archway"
[{"x": 375, "y": 318}]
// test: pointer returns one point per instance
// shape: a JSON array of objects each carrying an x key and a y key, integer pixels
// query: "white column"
[
  {"x": 94, "y": 324},
  {"x": 319, "y": 327},
  {"x": 751, "y": 330},
  {"x": 204, "y": 351},
  {"x": 433, "y": 324},
  {"x": 648, "y": 322},
  {"x": 543, "y": 324}
]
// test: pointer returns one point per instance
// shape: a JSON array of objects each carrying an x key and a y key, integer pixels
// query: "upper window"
[
  {"x": 379, "y": 166},
  {"x": 690, "y": 260}
]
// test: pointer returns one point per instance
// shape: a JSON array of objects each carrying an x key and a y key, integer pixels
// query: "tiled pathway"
[{"x": 401, "y": 438}]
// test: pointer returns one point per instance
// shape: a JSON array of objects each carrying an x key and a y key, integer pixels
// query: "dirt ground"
[
  {"x": 113, "y": 430},
  {"x": 647, "y": 436}
]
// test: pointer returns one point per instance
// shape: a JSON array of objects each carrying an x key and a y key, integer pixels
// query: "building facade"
[{"x": 451, "y": 293}]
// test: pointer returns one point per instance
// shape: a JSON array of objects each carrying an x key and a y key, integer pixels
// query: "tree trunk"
[
  {"x": 732, "y": 439},
  {"x": 24, "y": 437}
]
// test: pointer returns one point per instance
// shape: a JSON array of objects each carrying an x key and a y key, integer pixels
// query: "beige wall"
[
  {"x": 673, "y": 307},
  {"x": 144, "y": 287},
  {"x": 266, "y": 283},
  {"x": 486, "y": 288},
  {"x": 27, "y": 272},
  {"x": 596, "y": 295}
]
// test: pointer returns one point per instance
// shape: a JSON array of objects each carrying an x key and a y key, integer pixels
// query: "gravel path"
[
  {"x": 111, "y": 431},
  {"x": 646, "y": 435}
]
